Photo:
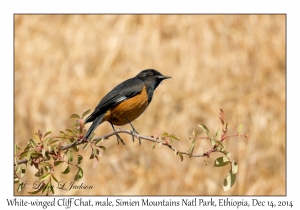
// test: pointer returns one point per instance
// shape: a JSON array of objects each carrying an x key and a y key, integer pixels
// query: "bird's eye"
[{"x": 150, "y": 72}]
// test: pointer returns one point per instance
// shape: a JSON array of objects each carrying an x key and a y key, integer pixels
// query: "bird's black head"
[
  {"x": 152, "y": 79},
  {"x": 152, "y": 75}
]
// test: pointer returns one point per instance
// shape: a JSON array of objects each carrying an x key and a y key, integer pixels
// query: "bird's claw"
[{"x": 119, "y": 139}]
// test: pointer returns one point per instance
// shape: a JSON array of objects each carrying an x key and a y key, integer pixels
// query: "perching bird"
[{"x": 126, "y": 102}]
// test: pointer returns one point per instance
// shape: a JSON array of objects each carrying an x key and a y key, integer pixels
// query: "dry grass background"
[{"x": 65, "y": 64}]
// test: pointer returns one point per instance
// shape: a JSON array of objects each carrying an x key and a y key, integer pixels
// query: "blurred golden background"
[{"x": 65, "y": 64}]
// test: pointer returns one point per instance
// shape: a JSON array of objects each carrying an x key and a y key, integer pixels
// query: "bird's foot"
[
  {"x": 119, "y": 139},
  {"x": 132, "y": 134}
]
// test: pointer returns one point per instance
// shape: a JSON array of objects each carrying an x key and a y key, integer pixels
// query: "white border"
[{"x": 8, "y": 8}]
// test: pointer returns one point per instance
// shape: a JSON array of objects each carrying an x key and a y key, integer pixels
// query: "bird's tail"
[{"x": 94, "y": 125}]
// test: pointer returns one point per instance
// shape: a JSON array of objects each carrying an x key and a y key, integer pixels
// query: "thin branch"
[
  {"x": 234, "y": 135},
  {"x": 138, "y": 136}
]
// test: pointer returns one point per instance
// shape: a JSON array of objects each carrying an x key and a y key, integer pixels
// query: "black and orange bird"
[{"x": 126, "y": 102}]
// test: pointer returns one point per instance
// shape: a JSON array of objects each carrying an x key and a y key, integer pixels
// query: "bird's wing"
[{"x": 121, "y": 92}]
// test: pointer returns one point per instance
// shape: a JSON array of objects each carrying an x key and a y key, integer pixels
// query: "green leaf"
[
  {"x": 76, "y": 124},
  {"x": 45, "y": 143},
  {"x": 76, "y": 131},
  {"x": 45, "y": 176},
  {"x": 85, "y": 146},
  {"x": 229, "y": 181},
  {"x": 29, "y": 145},
  {"x": 45, "y": 187},
  {"x": 96, "y": 151},
  {"x": 80, "y": 158},
  {"x": 29, "y": 154},
  {"x": 228, "y": 154},
  {"x": 16, "y": 180},
  {"x": 164, "y": 134},
  {"x": 85, "y": 113},
  {"x": 98, "y": 141},
  {"x": 194, "y": 133},
  {"x": 53, "y": 148},
  {"x": 212, "y": 141},
  {"x": 36, "y": 154},
  {"x": 38, "y": 174},
  {"x": 52, "y": 141},
  {"x": 70, "y": 156},
  {"x": 42, "y": 171},
  {"x": 205, "y": 129},
  {"x": 32, "y": 142},
  {"x": 54, "y": 178},
  {"x": 220, "y": 144},
  {"x": 153, "y": 146},
  {"x": 20, "y": 187},
  {"x": 23, "y": 155},
  {"x": 174, "y": 137},
  {"x": 192, "y": 148},
  {"x": 58, "y": 162},
  {"x": 221, "y": 161},
  {"x": 23, "y": 170},
  {"x": 18, "y": 169},
  {"x": 234, "y": 167},
  {"x": 240, "y": 128},
  {"x": 36, "y": 192},
  {"x": 75, "y": 148},
  {"x": 47, "y": 133},
  {"x": 175, "y": 152},
  {"x": 16, "y": 148},
  {"x": 75, "y": 116},
  {"x": 79, "y": 174},
  {"x": 218, "y": 133},
  {"x": 62, "y": 133},
  {"x": 67, "y": 170},
  {"x": 102, "y": 147},
  {"x": 220, "y": 149},
  {"x": 180, "y": 156},
  {"x": 72, "y": 139},
  {"x": 51, "y": 188},
  {"x": 70, "y": 131},
  {"x": 44, "y": 150},
  {"x": 45, "y": 164}
]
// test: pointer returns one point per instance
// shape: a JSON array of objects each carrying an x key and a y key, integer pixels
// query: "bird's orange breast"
[{"x": 129, "y": 109}]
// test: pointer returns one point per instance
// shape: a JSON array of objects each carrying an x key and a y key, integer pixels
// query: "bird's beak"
[{"x": 164, "y": 77}]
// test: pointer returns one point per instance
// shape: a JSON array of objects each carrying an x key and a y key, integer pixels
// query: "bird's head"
[{"x": 152, "y": 75}]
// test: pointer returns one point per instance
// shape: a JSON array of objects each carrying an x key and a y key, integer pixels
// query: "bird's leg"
[
  {"x": 118, "y": 137},
  {"x": 133, "y": 131}
]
